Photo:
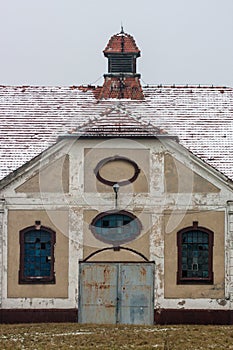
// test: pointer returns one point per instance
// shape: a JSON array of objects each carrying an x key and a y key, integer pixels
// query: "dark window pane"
[
  {"x": 195, "y": 267},
  {"x": 105, "y": 223},
  {"x": 205, "y": 267},
  {"x": 200, "y": 237},
  {"x": 190, "y": 238},
  {"x": 37, "y": 248},
  {"x": 195, "y": 255},
  {"x": 205, "y": 274},
  {"x": 195, "y": 247},
  {"x": 184, "y": 260},
  {"x": 126, "y": 221},
  {"x": 195, "y": 237},
  {"x": 46, "y": 273}
]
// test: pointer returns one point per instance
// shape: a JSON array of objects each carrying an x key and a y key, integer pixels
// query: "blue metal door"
[
  {"x": 97, "y": 293},
  {"x": 136, "y": 293},
  {"x": 116, "y": 293}
]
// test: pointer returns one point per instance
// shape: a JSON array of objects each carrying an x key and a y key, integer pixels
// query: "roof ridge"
[
  {"x": 208, "y": 86},
  {"x": 87, "y": 87}
]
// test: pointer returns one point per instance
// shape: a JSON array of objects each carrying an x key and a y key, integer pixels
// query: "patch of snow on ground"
[{"x": 70, "y": 333}]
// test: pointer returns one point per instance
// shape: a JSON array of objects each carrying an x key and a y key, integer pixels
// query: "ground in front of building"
[{"x": 77, "y": 336}]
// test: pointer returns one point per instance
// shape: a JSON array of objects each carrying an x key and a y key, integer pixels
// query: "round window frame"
[
  {"x": 119, "y": 212},
  {"x": 113, "y": 159}
]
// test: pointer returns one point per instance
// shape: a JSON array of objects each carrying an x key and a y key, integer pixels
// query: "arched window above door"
[{"x": 116, "y": 227}]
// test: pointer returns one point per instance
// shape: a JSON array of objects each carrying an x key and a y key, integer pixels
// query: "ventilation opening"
[{"x": 121, "y": 64}]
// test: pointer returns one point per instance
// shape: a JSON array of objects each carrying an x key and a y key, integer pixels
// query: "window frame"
[
  {"x": 195, "y": 280},
  {"x": 115, "y": 159},
  {"x": 36, "y": 279}
]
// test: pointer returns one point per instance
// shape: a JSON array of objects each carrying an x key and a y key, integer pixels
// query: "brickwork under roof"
[
  {"x": 33, "y": 117},
  {"x": 131, "y": 88}
]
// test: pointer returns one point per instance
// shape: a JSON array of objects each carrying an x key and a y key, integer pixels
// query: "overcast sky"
[{"x": 60, "y": 42}]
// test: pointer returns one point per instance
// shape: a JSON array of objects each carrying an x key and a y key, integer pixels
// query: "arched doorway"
[{"x": 116, "y": 292}]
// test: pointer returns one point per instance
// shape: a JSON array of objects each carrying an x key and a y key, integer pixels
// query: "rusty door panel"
[
  {"x": 136, "y": 293},
  {"x": 116, "y": 293},
  {"x": 98, "y": 293}
]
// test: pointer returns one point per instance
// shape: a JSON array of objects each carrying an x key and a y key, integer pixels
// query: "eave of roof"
[{"x": 110, "y": 136}]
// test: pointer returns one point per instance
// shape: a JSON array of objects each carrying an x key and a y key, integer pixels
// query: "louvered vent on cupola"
[{"x": 121, "y": 63}]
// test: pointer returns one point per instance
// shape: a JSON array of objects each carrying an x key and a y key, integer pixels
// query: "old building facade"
[{"x": 116, "y": 201}]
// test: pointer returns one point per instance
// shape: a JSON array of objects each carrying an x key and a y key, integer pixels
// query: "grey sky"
[{"x": 60, "y": 42}]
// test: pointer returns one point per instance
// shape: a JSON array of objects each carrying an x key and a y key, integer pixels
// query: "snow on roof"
[
  {"x": 33, "y": 117},
  {"x": 114, "y": 122}
]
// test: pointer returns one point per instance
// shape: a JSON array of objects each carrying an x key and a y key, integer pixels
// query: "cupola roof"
[{"x": 121, "y": 42}]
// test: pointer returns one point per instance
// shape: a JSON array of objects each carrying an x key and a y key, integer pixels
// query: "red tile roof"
[
  {"x": 121, "y": 42},
  {"x": 32, "y": 118}
]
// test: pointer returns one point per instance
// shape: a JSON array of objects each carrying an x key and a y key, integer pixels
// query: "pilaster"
[
  {"x": 2, "y": 205},
  {"x": 229, "y": 251}
]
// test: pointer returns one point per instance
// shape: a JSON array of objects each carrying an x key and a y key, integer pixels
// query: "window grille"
[
  {"x": 37, "y": 255},
  {"x": 195, "y": 254}
]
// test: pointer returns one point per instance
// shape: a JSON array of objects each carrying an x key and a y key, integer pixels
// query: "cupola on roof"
[
  {"x": 121, "y": 42},
  {"x": 122, "y": 79}
]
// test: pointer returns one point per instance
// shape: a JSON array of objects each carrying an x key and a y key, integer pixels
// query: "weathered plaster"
[{"x": 150, "y": 206}]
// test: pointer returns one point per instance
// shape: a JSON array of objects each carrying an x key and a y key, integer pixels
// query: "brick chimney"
[{"x": 122, "y": 79}]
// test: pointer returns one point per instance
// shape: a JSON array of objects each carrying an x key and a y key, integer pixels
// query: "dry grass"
[{"x": 77, "y": 336}]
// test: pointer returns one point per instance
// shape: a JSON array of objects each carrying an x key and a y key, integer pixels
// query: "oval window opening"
[
  {"x": 117, "y": 169},
  {"x": 116, "y": 227}
]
